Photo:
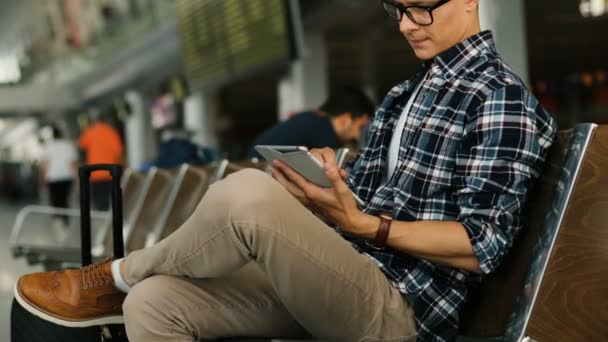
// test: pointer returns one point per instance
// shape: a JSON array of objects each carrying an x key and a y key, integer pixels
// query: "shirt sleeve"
[{"x": 503, "y": 149}]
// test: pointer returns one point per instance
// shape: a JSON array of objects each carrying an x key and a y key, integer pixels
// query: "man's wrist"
[
  {"x": 365, "y": 226},
  {"x": 384, "y": 230}
]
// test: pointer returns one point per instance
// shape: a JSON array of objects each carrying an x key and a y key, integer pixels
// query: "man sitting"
[{"x": 451, "y": 156}]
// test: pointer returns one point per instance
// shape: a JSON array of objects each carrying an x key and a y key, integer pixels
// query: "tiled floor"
[{"x": 10, "y": 268}]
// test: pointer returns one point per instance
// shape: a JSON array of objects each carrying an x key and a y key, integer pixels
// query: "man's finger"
[
  {"x": 324, "y": 155},
  {"x": 276, "y": 174},
  {"x": 335, "y": 177},
  {"x": 343, "y": 174},
  {"x": 293, "y": 189},
  {"x": 329, "y": 156},
  {"x": 317, "y": 154}
]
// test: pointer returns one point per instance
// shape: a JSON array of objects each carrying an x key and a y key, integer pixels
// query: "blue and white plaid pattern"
[{"x": 474, "y": 141}]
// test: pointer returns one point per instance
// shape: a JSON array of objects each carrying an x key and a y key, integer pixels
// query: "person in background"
[
  {"x": 176, "y": 148},
  {"x": 337, "y": 122},
  {"x": 57, "y": 171},
  {"x": 101, "y": 144}
]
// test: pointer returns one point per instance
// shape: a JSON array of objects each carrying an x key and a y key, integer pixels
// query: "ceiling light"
[{"x": 593, "y": 8}]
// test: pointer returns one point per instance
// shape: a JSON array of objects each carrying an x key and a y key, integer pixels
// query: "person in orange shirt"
[{"x": 101, "y": 144}]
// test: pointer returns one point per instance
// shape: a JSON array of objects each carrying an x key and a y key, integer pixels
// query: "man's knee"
[
  {"x": 245, "y": 191},
  {"x": 251, "y": 179}
]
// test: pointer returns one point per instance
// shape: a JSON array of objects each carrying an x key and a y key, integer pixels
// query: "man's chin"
[{"x": 423, "y": 54}]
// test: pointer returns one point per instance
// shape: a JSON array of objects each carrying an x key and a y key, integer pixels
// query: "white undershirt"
[
  {"x": 393, "y": 149},
  {"x": 59, "y": 156}
]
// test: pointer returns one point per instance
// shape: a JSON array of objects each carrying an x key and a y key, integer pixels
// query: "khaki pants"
[{"x": 252, "y": 261}]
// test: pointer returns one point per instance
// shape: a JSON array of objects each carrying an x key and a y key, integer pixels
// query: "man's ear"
[
  {"x": 365, "y": 118},
  {"x": 471, "y": 5},
  {"x": 345, "y": 118}
]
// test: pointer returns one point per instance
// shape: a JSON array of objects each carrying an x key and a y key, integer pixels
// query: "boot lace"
[{"x": 94, "y": 275}]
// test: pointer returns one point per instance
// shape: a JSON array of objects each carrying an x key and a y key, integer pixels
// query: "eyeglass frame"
[{"x": 404, "y": 9}]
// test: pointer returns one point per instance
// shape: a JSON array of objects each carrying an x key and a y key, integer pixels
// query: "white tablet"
[{"x": 299, "y": 159}]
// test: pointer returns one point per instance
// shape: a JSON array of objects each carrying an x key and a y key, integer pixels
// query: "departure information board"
[{"x": 225, "y": 39}]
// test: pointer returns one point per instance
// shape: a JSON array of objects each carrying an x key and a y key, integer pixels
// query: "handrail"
[
  {"x": 130, "y": 223},
  {"x": 46, "y": 210},
  {"x": 341, "y": 154},
  {"x": 155, "y": 233},
  {"x": 220, "y": 171}
]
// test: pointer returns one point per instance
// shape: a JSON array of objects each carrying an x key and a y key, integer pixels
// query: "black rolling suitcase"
[{"x": 26, "y": 327}]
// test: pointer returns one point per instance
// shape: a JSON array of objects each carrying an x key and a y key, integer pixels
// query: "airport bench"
[
  {"x": 33, "y": 238},
  {"x": 148, "y": 199},
  {"x": 152, "y": 204},
  {"x": 553, "y": 286},
  {"x": 191, "y": 185}
]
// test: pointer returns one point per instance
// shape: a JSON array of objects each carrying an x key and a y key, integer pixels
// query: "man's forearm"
[
  {"x": 443, "y": 242},
  {"x": 469, "y": 263}
]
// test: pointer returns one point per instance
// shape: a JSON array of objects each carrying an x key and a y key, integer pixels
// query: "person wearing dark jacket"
[{"x": 338, "y": 121}]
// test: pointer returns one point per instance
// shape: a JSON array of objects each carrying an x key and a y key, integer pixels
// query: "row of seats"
[{"x": 155, "y": 203}]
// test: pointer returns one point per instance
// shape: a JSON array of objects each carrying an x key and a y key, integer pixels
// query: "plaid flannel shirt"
[{"x": 474, "y": 141}]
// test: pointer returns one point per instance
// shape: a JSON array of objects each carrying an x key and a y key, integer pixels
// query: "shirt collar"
[{"x": 448, "y": 63}]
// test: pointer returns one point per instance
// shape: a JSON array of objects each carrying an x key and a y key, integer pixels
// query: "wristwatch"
[{"x": 384, "y": 229}]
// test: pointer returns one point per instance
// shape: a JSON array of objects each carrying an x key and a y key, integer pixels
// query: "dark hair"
[
  {"x": 57, "y": 134},
  {"x": 165, "y": 88},
  {"x": 348, "y": 100},
  {"x": 107, "y": 114}
]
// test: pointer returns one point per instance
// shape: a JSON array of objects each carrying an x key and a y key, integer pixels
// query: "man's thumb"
[{"x": 335, "y": 177}]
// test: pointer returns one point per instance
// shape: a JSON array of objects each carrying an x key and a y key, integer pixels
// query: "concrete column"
[
  {"x": 306, "y": 85},
  {"x": 369, "y": 82},
  {"x": 507, "y": 21},
  {"x": 138, "y": 140},
  {"x": 200, "y": 118}
]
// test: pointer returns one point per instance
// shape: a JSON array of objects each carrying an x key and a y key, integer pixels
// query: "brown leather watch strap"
[{"x": 383, "y": 231}]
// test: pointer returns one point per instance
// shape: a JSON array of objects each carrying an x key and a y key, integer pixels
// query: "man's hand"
[
  {"x": 336, "y": 204},
  {"x": 290, "y": 186},
  {"x": 327, "y": 156},
  {"x": 323, "y": 155}
]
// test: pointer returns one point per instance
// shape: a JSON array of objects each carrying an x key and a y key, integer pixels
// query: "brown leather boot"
[{"x": 73, "y": 298}]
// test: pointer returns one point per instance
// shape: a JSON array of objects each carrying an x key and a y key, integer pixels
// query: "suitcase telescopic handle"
[{"x": 84, "y": 174}]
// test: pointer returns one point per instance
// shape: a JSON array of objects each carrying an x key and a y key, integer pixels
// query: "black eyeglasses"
[{"x": 420, "y": 15}]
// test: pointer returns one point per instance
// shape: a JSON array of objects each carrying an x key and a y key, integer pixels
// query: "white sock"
[{"x": 118, "y": 281}]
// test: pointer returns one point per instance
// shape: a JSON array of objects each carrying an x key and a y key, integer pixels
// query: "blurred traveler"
[
  {"x": 452, "y": 155},
  {"x": 177, "y": 148},
  {"x": 58, "y": 170},
  {"x": 337, "y": 122},
  {"x": 101, "y": 144}
]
